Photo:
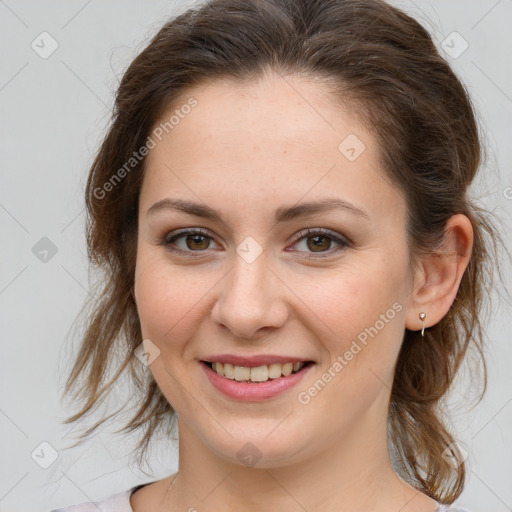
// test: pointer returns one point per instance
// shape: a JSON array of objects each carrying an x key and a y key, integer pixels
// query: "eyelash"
[{"x": 305, "y": 233}]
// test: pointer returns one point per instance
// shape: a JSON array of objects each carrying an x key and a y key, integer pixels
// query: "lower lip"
[{"x": 254, "y": 391}]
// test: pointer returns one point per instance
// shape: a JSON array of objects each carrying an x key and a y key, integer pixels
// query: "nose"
[{"x": 251, "y": 300}]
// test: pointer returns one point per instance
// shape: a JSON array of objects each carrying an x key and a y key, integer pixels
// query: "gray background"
[{"x": 54, "y": 113}]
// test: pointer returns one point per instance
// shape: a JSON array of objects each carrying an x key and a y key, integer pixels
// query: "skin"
[{"x": 246, "y": 150}]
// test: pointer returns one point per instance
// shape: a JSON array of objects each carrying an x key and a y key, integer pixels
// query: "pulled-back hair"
[{"x": 383, "y": 64}]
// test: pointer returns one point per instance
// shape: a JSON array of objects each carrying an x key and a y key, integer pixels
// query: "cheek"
[
  {"x": 163, "y": 295},
  {"x": 361, "y": 306},
  {"x": 366, "y": 317},
  {"x": 172, "y": 301}
]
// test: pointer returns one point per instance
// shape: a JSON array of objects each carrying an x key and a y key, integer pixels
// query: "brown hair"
[{"x": 386, "y": 65}]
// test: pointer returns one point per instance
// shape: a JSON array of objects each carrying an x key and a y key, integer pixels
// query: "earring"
[{"x": 422, "y": 317}]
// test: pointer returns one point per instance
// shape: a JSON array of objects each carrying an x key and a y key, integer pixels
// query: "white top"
[{"x": 121, "y": 503}]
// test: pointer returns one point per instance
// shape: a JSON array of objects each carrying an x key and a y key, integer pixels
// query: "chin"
[{"x": 266, "y": 448}]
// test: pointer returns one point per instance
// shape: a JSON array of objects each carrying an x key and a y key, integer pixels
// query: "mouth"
[
  {"x": 256, "y": 374},
  {"x": 255, "y": 383}
]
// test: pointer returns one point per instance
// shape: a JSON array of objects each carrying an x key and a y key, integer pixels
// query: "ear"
[{"x": 439, "y": 274}]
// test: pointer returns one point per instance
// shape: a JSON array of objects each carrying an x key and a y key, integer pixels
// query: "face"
[{"x": 265, "y": 281}]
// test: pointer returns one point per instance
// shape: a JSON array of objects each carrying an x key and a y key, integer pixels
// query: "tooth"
[
  {"x": 287, "y": 369},
  {"x": 229, "y": 372},
  {"x": 274, "y": 370},
  {"x": 259, "y": 373},
  {"x": 219, "y": 368},
  {"x": 242, "y": 373}
]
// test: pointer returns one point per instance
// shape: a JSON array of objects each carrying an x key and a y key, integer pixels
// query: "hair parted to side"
[{"x": 384, "y": 64}]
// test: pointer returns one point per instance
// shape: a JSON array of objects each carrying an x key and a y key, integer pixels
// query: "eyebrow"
[{"x": 281, "y": 214}]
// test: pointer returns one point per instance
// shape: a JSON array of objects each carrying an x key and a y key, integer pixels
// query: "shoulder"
[{"x": 119, "y": 502}]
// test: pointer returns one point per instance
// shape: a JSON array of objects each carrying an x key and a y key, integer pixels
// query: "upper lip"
[{"x": 259, "y": 360}]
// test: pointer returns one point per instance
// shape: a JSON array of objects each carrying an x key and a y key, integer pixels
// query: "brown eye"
[
  {"x": 197, "y": 242},
  {"x": 320, "y": 241},
  {"x": 189, "y": 241}
]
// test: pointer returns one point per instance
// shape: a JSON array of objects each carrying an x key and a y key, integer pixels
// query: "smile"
[
  {"x": 256, "y": 373},
  {"x": 255, "y": 383}
]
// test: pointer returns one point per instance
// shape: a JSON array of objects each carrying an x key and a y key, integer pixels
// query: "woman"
[{"x": 292, "y": 263}]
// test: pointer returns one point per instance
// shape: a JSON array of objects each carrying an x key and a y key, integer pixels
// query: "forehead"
[
  {"x": 271, "y": 114},
  {"x": 261, "y": 139}
]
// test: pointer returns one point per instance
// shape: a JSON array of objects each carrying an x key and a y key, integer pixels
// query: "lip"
[
  {"x": 258, "y": 360},
  {"x": 254, "y": 391}
]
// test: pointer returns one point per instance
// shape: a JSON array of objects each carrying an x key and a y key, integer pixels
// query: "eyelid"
[
  {"x": 186, "y": 231},
  {"x": 323, "y": 231},
  {"x": 342, "y": 241}
]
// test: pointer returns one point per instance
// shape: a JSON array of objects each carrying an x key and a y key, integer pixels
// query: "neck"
[{"x": 354, "y": 474}]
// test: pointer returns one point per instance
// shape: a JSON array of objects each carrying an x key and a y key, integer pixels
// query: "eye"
[
  {"x": 194, "y": 240},
  {"x": 319, "y": 241}
]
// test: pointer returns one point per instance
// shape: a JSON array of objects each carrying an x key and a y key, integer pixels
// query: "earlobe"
[{"x": 440, "y": 274}]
